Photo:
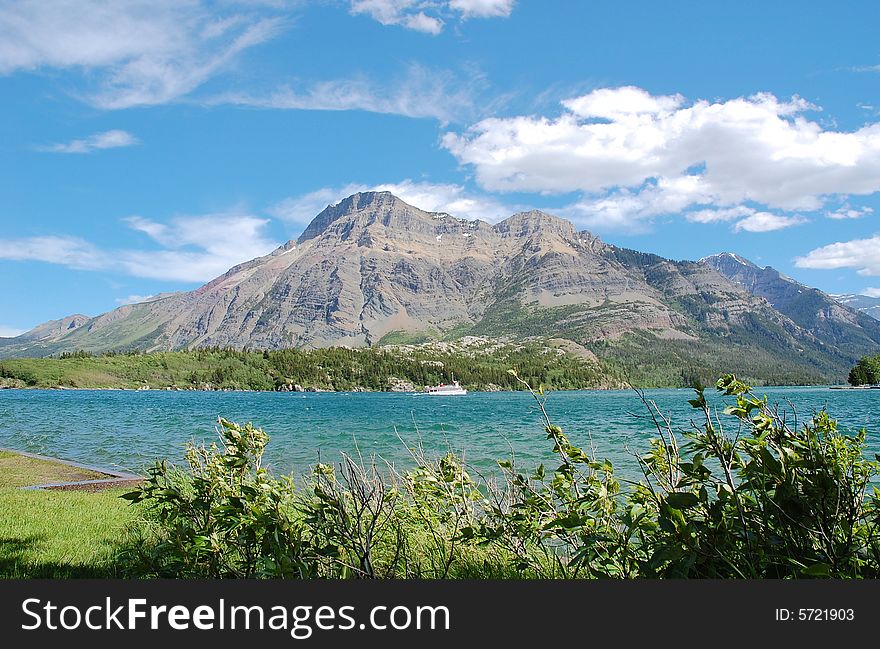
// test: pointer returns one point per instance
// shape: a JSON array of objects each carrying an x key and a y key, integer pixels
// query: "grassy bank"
[
  {"x": 478, "y": 364},
  {"x": 57, "y": 534}
]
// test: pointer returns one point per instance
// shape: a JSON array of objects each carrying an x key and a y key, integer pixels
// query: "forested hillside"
[{"x": 480, "y": 366}]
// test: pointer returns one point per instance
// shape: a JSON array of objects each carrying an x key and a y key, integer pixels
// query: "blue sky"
[{"x": 147, "y": 146}]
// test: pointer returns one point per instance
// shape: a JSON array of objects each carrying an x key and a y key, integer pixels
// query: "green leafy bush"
[
  {"x": 748, "y": 492},
  {"x": 226, "y": 517},
  {"x": 767, "y": 498}
]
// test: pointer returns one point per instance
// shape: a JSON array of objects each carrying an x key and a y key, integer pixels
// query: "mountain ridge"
[
  {"x": 815, "y": 311},
  {"x": 372, "y": 266},
  {"x": 864, "y": 303}
]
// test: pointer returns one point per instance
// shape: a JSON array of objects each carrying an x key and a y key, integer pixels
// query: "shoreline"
[
  {"x": 855, "y": 387},
  {"x": 109, "y": 477},
  {"x": 830, "y": 386}
]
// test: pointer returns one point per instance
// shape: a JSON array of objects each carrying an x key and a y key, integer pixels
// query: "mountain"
[
  {"x": 55, "y": 329},
  {"x": 864, "y": 303},
  {"x": 42, "y": 335},
  {"x": 374, "y": 270},
  {"x": 823, "y": 315}
]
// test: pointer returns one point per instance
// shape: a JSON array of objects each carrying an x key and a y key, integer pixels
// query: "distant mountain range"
[
  {"x": 863, "y": 303},
  {"x": 827, "y": 317},
  {"x": 372, "y": 270}
]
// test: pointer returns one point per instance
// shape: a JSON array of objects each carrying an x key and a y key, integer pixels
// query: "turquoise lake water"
[{"x": 128, "y": 430}]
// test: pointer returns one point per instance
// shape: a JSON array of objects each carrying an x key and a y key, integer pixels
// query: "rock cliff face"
[
  {"x": 822, "y": 315},
  {"x": 373, "y": 267}
]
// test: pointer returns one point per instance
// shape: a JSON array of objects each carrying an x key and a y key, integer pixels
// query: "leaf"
[
  {"x": 770, "y": 462},
  {"x": 700, "y": 401},
  {"x": 817, "y": 570},
  {"x": 569, "y": 521},
  {"x": 682, "y": 500}
]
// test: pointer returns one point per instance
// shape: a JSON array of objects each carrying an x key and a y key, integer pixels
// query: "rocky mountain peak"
[
  {"x": 56, "y": 328},
  {"x": 375, "y": 203},
  {"x": 372, "y": 267},
  {"x": 534, "y": 221},
  {"x": 728, "y": 259}
]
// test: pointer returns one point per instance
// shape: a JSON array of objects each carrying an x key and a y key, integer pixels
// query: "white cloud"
[
  {"x": 715, "y": 215},
  {"x": 483, "y": 8},
  {"x": 428, "y": 17},
  {"x": 766, "y": 222},
  {"x": 450, "y": 198},
  {"x": 133, "y": 299},
  {"x": 150, "y": 52},
  {"x": 622, "y": 210},
  {"x": 634, "y": 155},
  {"x": 10, "y": 332},
  {"x": 871, "y": 292},
  {"x": 419, "y": 92},
  {"x": 622, "y": 103},
  {"x": 861, "y": 254},
  {"x": 847, "y": 212},
  {"x": 106, "y": 140},
  {"x": 138, "y": 52},
  {"x": 632, "y": 209},
  {"x": 65, "y": 251},
  {"x": 197, "y": 248},
  {"x": 193, "y": 249},
  {"x": 432, "y": 197},
  {"x": 300, "y": 210},
  {"x": 405, "y": 13}
]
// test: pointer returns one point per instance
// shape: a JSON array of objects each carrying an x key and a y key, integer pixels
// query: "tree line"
[{"x": 866, "y": 371}]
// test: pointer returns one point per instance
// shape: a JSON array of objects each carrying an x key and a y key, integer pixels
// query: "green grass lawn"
[
  {"x": 22, "y": 471},
  {"x": 57, "y": 534}
]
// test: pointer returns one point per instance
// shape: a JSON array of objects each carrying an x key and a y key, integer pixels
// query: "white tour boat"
[{"x": 446, "y": 389}]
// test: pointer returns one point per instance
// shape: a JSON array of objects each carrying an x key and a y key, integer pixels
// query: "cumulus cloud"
[
  {"x": 871, "y": 292},
  {"x": 633, "y": 155},
  {"x": 766, "y": 222},
  {"x": 432, "y": 197},
  {"x": 192, "y": 249},
  {"x": 633, "y": 211},
  {"x": 139, "y": 52},
  {"x": 107, "y": 140},
  {"x": 418, "y": 92},
  {"x": 621, "y": 103},
  {"x": 861, "y": 254},
  {"x": 847, "y": 212},
  {"x": 429, "y": 17}
]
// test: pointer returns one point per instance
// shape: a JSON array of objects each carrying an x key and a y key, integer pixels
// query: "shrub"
[
  {"x": 226, "y": 517},
  {"x": 769, "y": 499},
  {"x": 746, "y": 493}
]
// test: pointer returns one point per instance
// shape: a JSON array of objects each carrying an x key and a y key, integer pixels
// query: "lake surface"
[{"x": 128, "y": 430}]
